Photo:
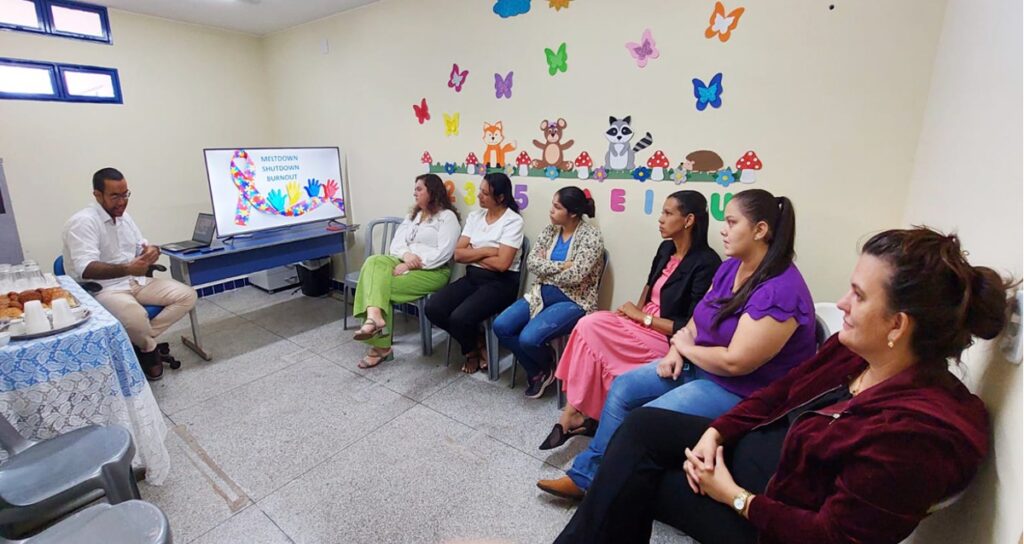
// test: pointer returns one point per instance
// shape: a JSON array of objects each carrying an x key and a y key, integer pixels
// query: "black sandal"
[{"x": 559, "y": 435}]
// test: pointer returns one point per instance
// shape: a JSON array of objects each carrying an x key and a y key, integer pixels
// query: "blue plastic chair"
[{"x": 58, "y": 269}]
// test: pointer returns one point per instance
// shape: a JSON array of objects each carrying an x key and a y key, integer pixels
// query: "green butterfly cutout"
[{"x": 556, "y": 61}]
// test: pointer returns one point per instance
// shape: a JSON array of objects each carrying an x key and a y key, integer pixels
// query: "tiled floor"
[{"x": 281, "y": 438}]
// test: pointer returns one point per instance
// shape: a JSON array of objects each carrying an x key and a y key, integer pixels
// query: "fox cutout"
[{"x": 494, "y": 154}]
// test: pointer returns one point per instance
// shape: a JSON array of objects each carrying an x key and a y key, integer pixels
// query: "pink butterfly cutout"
[
  {"x": 457, "y": 79},
  {"x": 421, "y": 111},
  {"x": 644, "y": 50}
]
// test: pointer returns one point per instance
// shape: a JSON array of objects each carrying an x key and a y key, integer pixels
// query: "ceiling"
[{"x": 251, "y": 16}]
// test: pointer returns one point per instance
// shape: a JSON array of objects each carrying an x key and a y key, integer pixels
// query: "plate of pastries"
[{"x": 12, "y": 304}]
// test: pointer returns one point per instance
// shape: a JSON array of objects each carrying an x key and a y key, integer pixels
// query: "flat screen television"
[{"x": 258, "y": 188}]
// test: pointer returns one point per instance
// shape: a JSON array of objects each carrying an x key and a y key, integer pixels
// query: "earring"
[{"x": 890, "y": 344}]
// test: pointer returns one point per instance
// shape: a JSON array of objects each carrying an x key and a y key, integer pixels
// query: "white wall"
[
  {"x": 830, "y": 100},
  {"x": 185, "y": 87},
  {"x": 967, "y": 178}
]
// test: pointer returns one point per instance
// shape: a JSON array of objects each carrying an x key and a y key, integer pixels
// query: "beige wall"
[
  {"x": 830, "y": 100},
  {"x": 185, "y": 88},
  {"x": 967, "y": 178}
]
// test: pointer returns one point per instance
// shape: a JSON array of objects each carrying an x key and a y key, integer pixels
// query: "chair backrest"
[
  {"x": 946, "y": 503},
  {"x": 829, "y": 316},
  {"x": 382, "y": 229},
  {"x": 10, "y": 439},
  {"x": 58, "y": 265},
  {"x": 523, "y": 272},
  {"x": 604, "y": 268}
]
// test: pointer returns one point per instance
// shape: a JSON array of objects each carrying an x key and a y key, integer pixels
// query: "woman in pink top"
[{"x": 604, "y": 345}]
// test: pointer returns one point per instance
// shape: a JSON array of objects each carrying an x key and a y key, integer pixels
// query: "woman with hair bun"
[
  {"x": 567, "y": 261},
  {"x": 854, "y": 445}
]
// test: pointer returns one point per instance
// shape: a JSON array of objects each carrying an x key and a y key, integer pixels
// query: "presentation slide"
[{"x": 263, "y": 188}]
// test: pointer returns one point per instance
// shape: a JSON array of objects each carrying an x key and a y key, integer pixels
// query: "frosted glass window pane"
[
  {"x": 89, "y": 84},
  {"x": 25, "y": 80},
  {"x": 77, "y": 21},
  {"x": 19, "y": 12}
]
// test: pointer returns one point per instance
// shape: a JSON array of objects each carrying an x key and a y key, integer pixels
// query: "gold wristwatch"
[
  {"x": 740, "y": 501},
  {"x": 648, "y": 320}
]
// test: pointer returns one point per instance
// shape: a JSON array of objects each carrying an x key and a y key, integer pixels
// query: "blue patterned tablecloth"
[{"x": 88, "y": 375}]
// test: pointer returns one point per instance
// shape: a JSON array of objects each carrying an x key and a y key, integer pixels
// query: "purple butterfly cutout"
[
  {"x": 503, "y": 87},
  {"x": 644, "y": 50},
  {"x": 457, "y": 79}
]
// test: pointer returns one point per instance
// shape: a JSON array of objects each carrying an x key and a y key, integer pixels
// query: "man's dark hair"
[{"x": 99, "y": 179}]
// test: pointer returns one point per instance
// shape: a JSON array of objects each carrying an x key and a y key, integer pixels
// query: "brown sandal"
[
  {"x": 376, "y": 331},
  {"x": 375, "y": 357}
]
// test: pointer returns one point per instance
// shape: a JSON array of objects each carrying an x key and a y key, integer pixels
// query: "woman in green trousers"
[{"x": 417, "y": 265}]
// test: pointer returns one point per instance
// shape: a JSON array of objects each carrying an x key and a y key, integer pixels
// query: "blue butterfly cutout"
[{"x": 710, "y": 94}]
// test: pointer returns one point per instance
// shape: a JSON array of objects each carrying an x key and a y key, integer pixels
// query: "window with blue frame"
[
  {"x": 66, "y": 18},
  {"x": 34, "y": 80}
]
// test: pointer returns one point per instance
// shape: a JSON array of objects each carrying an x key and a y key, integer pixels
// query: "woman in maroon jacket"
[{"x": 854, "y": 445}]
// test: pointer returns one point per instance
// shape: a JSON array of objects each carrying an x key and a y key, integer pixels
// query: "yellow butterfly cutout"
[{"x": 451, "y": 124}]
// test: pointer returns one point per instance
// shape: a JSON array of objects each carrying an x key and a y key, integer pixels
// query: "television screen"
[{"x": 257, "y": 188}]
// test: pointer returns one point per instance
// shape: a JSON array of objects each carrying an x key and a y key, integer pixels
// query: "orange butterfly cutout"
[{"x": 723, "y": 24}]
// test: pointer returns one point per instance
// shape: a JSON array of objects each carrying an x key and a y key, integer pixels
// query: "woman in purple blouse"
[{"x": 754, "y": 324}]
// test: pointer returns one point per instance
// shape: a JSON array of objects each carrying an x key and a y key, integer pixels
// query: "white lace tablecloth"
[{"x": 88, "y": 375}]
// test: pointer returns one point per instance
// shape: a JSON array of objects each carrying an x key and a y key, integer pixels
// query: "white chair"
[{"x": 388, "y": 226}]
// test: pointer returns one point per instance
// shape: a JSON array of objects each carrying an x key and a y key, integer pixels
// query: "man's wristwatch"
[
  {"x": 648, "y": 320},
  {"x": 740, "y": 501}
]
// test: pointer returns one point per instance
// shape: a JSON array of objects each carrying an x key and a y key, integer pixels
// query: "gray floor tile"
[
  {"x": 209, "y": 314},
  {"x": 410, "y": 373},
  {"x": 445, "y": 481},
  {"x": 664, "y": 534},
  {"x": 242, "y": 352},
  {"x": 249, "y": 298},
  {"x": 313, "y": 323},
  {"x": 507, "y": 415},
  {"x": 195, "y": 497},
  {"x": 250, "y": 526},
  {"x": 269, "y": 431}
]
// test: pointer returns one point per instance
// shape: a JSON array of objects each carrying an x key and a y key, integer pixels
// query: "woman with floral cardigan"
[{"x": 567, "y": 260}]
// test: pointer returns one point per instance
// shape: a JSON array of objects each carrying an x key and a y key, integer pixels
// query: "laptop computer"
[{"x": 202, "y": 236}]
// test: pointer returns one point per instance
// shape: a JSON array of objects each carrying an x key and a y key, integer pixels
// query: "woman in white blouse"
[
  {"x": 416, "y": 266},
  {"x": 489, "y": 247}
]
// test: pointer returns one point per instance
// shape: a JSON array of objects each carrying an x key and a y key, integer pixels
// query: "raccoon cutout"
[{"x": 620, "y": 155}]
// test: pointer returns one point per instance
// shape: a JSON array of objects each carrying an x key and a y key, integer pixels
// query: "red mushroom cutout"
[
  {"x": 523, "y": 162},
  {"x": 471, "y": 163},
  {"x": 747, "y": 165},
  {"x": 427, "y": 160},
  {"x": 583, "y": 164},
  {"x": 658, "y": 163}
]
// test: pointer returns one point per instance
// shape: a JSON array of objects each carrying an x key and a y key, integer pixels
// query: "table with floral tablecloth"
[{"x": 88, "y": 375}]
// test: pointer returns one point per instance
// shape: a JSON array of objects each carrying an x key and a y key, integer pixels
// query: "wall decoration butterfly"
[
  {"x": 421, "y": 111},
  {"x": 503, "y": 86},
  {"x": 709, "y": 94},
  {"x": 644, "y": 50},
  {"x": 557, "y": 61},
  {"x": 457, "y": 79},
  {"x": 722, "y": 24},
  {"x": 451, "y": 124}
]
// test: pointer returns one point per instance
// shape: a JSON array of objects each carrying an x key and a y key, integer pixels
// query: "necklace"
[{"x": 855, "y": 386}]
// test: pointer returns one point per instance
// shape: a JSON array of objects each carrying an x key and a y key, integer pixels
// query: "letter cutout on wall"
[
  {"x": 618, "y": 200},
  {"x": 718, "y": 204},
  {"x": 519, "y": 194},
  {"x": 449, "y": 185},
  {"x": 648, "y": 201},
  {"x": 470, "y": 197}
]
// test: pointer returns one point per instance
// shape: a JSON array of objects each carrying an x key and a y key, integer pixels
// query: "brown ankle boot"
[{"x": 562, "y": 487}]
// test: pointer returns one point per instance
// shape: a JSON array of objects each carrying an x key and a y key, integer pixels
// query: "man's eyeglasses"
[{"x": 121, "y": 197}]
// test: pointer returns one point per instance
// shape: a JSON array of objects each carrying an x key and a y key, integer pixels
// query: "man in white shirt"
[{"x": 102, "y": 244}]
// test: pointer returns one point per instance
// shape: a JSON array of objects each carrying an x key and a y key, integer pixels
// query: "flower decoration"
[
  {"x": 641, "y": 173},
  {"x": 600, "y": 173},
  {"x": 551, "y": 172},
  {"x": 449, "y": 167},
  {"x": 725, "y": 177},
  {"x": 679, "y": 175}
]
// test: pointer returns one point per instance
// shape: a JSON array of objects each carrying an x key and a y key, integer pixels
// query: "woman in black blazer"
[{"x": 605, "y": 345}]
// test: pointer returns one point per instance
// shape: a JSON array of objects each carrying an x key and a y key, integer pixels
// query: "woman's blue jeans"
[{"x": 528, "y": 338}]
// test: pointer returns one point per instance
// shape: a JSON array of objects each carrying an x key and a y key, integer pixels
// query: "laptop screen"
[{"x": 205, "y": 227}]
